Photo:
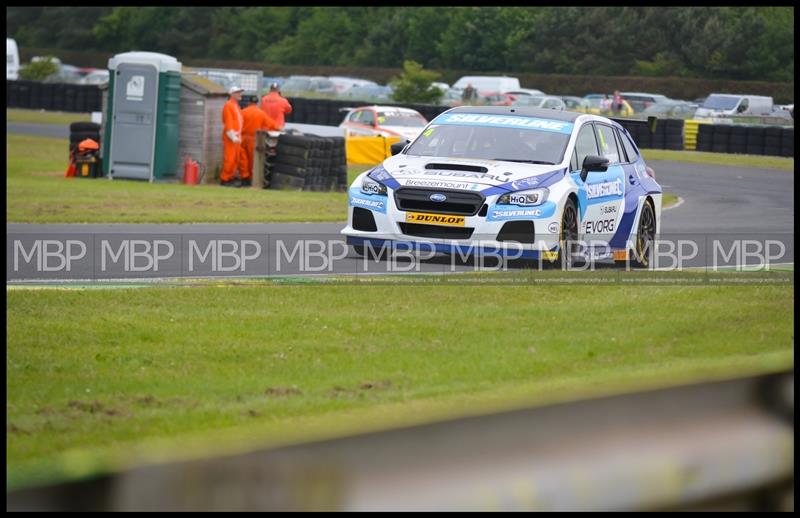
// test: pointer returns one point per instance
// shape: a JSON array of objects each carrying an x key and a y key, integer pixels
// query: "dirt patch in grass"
[
  {"x": 95, "y": 407},
  {"x": 283, "y": 391},
  {"x": 376, "y": 385}
]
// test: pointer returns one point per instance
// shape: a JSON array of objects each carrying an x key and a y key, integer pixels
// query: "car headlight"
[
  {"x": 524, "y": 198},
  {"x": 369, "y": 186}
]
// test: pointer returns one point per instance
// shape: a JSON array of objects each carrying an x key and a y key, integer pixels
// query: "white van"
[
  {"x": 486, "y": 84},
  {"x": 12, "y": 60},
  {"x": 727, "y": 105}
]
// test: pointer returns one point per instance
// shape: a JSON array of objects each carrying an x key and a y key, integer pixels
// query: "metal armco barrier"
[{"x": 716, "y": 444}]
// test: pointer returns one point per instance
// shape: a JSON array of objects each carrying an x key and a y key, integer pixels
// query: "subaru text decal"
[{"x": 505, "y": 121}]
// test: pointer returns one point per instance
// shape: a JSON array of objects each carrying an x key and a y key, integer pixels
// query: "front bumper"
[{"x": 392, "y": 229}]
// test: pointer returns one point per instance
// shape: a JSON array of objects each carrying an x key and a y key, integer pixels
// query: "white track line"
[{"x": 677, "y": 204}]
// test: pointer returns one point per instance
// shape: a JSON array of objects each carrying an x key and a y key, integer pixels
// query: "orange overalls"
[
  {"x": 254, "y": 119},
  {"x": 232, "y": 156},
  {"x": 276, "y": 106}
]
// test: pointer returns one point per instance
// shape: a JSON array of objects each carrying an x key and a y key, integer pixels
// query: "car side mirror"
[
  {"x": 593, "y": 163},
  {"x": 741, "y": 108},
  {"x": 397, "y": 147}
]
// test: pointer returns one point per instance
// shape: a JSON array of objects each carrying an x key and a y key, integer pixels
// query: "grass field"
[
  {"x": 98, "y": 379},
  {"x": 37, "y": 192},
  {"x": 45, "y": 117}
]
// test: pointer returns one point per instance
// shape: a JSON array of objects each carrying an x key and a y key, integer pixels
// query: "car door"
[{"x": 601, "y": 196}]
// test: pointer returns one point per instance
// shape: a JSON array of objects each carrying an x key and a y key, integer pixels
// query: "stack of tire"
[
  {"x": 787, "y": 141},
  {"x": 317, "y": 157},
  {"x": 640, "y": 133},
  {"x": 673, "y": 133},
  {"x": 704, "y": 136},
  {"x": 290, "y": 167},
  {"x": 309, "y": 163},
  {"x": 751, "y": 140},
  {"x": 338, "y": 172}
]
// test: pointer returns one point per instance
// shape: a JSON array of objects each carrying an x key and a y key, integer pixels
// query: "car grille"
[
  {"x": 435, "y": 231},
  {"x": 458, "y": 202}
]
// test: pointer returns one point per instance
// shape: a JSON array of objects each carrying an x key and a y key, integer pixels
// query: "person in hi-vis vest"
[
  {"x": 254, "y": 119},
  {"x": 232, "y": 156}
]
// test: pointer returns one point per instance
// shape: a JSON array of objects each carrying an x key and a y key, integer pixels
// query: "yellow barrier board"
[{"x": 368, "y": 150}]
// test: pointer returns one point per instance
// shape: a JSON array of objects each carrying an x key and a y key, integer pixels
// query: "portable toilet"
[{"x": 143, "y": 114}]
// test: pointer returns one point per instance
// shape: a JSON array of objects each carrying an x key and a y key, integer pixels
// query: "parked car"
[
  {"x": 386, "y": 121},
  {"x": 572, "y": 102},
  {"x": 97, "y": 77},
  {"x": 343, "y": 84},
  {"x": 441, "y": 86},
  {"x": 545, "y": 101},
  {"x": 65, "y": 74},
  {"x": 526, "y": 91},
  {"x": 496, "y": 99},
  {"x": 266, "y": 81},
  {"x": 298, "y": 85},
  {"x": 670, "y": 109},
  {"x": 484, "y": 84},
  {"x": 727, "y": 105},
  {"x": 639, "y": 100},
  {"x": 369, "y": 93},
  {"x": 451, "y": 97}
]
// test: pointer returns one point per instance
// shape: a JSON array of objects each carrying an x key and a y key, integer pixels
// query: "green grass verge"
[
  {"x": 38, "y": 192},
  {"x": 668, "y": 200},
  {"x": 45, "y": 117},
  {"x": 101, "y": 379},
  {"x": 701, "y": 157}
]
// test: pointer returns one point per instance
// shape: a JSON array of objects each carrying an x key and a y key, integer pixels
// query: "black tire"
[
  {"x": 294, "y": 140},
  {"x": 292, "y": 151},
  {"x": 569, "y": 235},
  {"x": 642, "y": 256},
  {"x": 290, "y": 170},
  {"x": 291, "y": 160}
]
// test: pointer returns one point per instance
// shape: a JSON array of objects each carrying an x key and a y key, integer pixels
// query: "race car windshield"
[
  {"x": 401, "y": 119},
  {"x": 491, "y": 143}
]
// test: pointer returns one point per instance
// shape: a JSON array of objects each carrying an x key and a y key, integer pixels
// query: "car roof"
[
  {"x": 643, "y": 93},
  {"x": 524, "y": 111},
  {"x": 389, "y": 108}
]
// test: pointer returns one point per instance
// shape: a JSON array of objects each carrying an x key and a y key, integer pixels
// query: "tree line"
[{"x": 742, "y": 43}]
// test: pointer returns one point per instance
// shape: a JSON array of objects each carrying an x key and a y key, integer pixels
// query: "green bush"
[
  {"x": 38, "y": 70},
  {"x": 414, "y": 85}
]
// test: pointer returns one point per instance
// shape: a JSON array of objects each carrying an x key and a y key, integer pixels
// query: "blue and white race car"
[{"x": 513, "y": 181}]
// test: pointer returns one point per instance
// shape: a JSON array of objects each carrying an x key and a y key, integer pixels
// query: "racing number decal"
[{"x": 434, "y": 219}]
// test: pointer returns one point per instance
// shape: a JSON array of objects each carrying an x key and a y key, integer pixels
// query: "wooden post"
[{"x": 259, "y": 159}]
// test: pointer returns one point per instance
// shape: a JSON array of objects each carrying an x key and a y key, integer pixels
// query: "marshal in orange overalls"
[
  {"x": 232, "y": 156},
  {"x": 254, "y": 119}
]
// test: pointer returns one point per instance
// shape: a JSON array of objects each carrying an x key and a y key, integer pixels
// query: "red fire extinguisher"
[{"x": 191, "y": 171}]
